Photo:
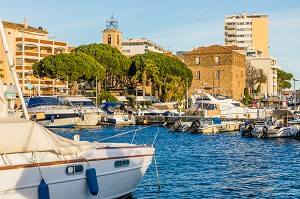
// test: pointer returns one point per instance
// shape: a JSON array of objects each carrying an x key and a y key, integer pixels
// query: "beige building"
[
  {"x": 269, "y": 66},
  {"x": 29, "y": 45},
  {"x": 249, "y": 31},
  {"x": 219, "y": 68},
  {"x": 112, "y": 35}
]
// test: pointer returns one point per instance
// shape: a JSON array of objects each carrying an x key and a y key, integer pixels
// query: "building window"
[
  {"x": 197, "y": 74},
  {"x": 217, "y": 74},
  {"x": 217, "y": 60},
  {"x": 197, "y": 60},
  {"x": 19, "y": 61}
]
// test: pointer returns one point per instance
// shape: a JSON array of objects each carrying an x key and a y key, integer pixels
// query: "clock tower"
[{"x": 112, "y": 35}]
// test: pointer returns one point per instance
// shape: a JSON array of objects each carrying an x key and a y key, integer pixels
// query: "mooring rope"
[
  {"x": 124, "y": 133},
  {"x": 156, "y": 169}
]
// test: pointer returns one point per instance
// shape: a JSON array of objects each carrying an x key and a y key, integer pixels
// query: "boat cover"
[{"x": 18, "y": 135}]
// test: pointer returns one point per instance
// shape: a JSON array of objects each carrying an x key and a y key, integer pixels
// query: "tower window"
[
  {"x": 197, "y": 60},
  {"x": 109, "y": 39}
]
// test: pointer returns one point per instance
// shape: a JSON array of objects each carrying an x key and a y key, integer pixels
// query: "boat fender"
[
  {"x": 92, "y": 181},
  {"x": 43, "y": 190},
  {"x": 82, "y": 117},
  {"x": 52, "y": 119}
]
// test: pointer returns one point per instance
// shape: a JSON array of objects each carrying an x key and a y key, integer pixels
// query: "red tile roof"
[
  {"x": 22, "y": 28},
  {"x": 214, "y": 49}
]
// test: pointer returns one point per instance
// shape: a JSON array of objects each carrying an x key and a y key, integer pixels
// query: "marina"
[{"x": 120, "y": 118}]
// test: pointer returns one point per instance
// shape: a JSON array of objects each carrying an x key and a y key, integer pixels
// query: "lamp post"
[
  {"x": 295, "y": 96},
  {"x": 136, "y": 94}
]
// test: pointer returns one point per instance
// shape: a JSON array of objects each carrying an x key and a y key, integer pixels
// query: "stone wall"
[{"x": 224, "y": 75}]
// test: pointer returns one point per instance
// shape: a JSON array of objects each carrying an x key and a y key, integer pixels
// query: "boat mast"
[{"x": 12, "y": 69}]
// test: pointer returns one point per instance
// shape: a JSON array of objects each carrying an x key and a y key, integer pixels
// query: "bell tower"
[{"x": 112, "y": 35}]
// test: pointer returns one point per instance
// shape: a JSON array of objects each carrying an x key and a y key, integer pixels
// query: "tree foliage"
[
  {"x": 69, "y": 67},
  {"x": 111, "y": 58},
  {"x": 166, "y": 73},
  {"x": 106, "y": 96},
  {"x": 283, "y": 79}
]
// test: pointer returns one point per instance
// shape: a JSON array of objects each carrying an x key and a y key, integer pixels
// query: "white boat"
[
  {"x": 163, "y": 109},
  {"x": 214, "y": 126},
  {"x": 90, "y": 114},
  {"x": 50, "y": 112},
  {"x": 36, "y": 163},
  {"x": 277, "y": 126},
  {"x": 117, "y": 114},
  {"x": 208, "y": 106}
]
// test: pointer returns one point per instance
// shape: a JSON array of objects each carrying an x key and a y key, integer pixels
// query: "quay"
[{"x": 170, "y": 120}]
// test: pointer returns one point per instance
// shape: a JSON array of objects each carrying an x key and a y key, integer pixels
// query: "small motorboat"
[
  {"x": 279, "y": 125},
  {"x": 116, "y": 113}
]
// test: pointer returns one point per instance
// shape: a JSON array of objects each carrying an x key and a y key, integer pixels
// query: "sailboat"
[{"x": 36, "y": 163}]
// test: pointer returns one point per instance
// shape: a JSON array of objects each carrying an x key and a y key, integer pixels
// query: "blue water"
[{"x": 211, "y": 166}]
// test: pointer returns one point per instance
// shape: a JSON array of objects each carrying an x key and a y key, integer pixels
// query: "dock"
[{"x": 169, "y": 120}]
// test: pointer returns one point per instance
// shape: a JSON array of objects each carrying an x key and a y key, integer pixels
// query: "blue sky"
[{"x": 173, "y": 24}]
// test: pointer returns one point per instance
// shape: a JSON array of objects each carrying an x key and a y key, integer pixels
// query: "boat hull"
[
  {"x": 114, "y": 181},
  {"x": 88, "y": 119}
]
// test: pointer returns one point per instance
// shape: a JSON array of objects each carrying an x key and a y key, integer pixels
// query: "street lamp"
[
  {"x": 295, "y": 80},
  {"x": 136, "y": 94}
]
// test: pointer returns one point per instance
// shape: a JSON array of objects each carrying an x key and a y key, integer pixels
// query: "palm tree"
[{"x": 147, "y": 72}]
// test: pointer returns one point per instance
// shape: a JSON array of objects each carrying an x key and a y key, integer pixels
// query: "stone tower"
[{"x": 112, "y": 35}]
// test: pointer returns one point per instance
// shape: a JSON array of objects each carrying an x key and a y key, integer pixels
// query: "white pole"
[{"x": 12, "y": 69}]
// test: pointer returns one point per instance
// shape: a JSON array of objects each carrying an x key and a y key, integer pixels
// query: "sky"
[{"x": 176, "y": 25}]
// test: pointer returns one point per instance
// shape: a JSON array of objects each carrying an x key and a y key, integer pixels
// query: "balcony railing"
[{"x": 42, "y": 41}]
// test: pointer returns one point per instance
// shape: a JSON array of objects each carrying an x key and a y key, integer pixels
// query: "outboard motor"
[{"x": 195, "y": 125}]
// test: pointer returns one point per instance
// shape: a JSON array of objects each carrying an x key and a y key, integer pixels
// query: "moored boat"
[
  {"x": 90, "y": 114},
  {"x": 117, "y": 114},
  {"x": 51, "y": 112}
]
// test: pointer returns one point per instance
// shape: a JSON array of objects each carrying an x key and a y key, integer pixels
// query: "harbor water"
[{"x": 210, "y": 166}]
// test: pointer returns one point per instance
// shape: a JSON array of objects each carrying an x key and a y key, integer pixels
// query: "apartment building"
[
  {"x": 218, "y": 68},
  {"x": 135, "y": 46},
  {"x": 29, "y": 45},
  {"x": 269, "y": 66},
  {"x": 249, "y": 31}
]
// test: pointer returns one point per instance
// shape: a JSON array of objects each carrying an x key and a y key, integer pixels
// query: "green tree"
[
  {"x": 106, "y": 96},
  {"x": 283, "y": 79},
  {"x": 69, "y": 67},
  {"x": 166, "y": 73},
  {"x": 115, "y": 63}
]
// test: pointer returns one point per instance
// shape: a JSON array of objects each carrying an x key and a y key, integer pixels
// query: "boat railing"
[{"x": 49, "y": 106}]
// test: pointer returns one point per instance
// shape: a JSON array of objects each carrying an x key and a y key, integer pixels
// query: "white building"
[
  {"x": 269, "y": 66},
  {"x": 133, "y": 46},
  {"x": 247, "y": 31}
]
